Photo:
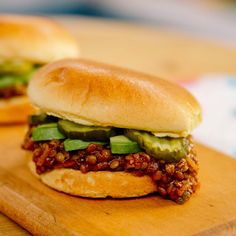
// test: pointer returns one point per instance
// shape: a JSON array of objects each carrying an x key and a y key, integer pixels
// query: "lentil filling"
[
  {"x": 13, "y": 91},
  {"x": 176, "y": 180}
]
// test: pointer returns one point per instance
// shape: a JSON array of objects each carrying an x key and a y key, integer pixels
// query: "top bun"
[
  {"x": 35, "y": 39},
  {"x": 92, "y": 93}
]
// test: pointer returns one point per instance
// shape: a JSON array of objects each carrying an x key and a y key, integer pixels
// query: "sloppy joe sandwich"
[
  {"x": 105, "y": 131},
  {"x": 27, "y": 43}
]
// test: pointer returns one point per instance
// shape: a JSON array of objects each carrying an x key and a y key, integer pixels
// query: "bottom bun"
[
  {"x": 96, "y": 184},
  {"x": 15, "y": 110}
]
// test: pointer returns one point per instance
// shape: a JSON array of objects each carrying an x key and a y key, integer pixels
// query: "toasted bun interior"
[
  {"x": 15, "y": 110},
  {"x": 36, "y": 39},
  {"x": 92, "y": 93},
  {"x": 98, "y": 184}
]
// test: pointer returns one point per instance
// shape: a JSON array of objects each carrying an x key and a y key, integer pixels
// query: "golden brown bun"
[
  {"x": 98, "y": 184},
  {"x": 15, "y": 110},
  {"x": 34, "y": 39},
  {"x": 93, "y": 93}
]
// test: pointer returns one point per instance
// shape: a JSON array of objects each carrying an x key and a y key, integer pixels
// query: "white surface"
[{"x": 217, "y": 97}]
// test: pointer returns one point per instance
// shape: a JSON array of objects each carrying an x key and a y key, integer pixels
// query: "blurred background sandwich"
[{"x": 27, "y": 43}]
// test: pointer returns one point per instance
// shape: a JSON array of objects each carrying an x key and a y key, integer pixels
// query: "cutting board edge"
[{"x": 27, "y": 221}]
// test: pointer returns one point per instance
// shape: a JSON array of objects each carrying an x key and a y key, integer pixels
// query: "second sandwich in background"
[{"x": 27, "y": 43}]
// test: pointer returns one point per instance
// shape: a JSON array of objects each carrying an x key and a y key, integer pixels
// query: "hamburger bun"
[
  {"x": 93, "y": 93},
  {"x": 98, "y": 184},
  {"x": 34, "y": 39},
  {"x": 15, "y": 110}
]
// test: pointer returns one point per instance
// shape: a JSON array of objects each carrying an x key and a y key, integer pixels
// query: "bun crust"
[
  {"x": 15, "y": 110},
  {"x": 98, "y": 184},
  {"x": 88, "y": 92},
  {"x": 35, "y": 39}
]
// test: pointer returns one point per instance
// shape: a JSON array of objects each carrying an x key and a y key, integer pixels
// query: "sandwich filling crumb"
[
  {"x": 13, "y": 91},
  {"x": 176, "y": 180}
]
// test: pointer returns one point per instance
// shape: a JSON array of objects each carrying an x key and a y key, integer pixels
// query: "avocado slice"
[
  {"x": 76, "y": 144},
  {"x": 46, "y": 132},
  {"x": 168, "y": 149},
  {"x": 77, "y": 131},
  {"x": 12, "y": 80},
  {"x": 123, "y": 145},
  {"x": 7, "y": 81}
]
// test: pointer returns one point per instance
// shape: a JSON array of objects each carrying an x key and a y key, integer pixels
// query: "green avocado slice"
[
  {"x": 123, "y": 145},
  {"x": 7, "y": 81},
  {"x": 46, "y": 132},
  {"x": 12, "y": 80},
  {"x": 76, "y": 144}
]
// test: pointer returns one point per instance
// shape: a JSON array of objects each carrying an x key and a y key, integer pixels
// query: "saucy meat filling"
[
  {"x": 13, "y": 91},
  {"x": 175, "y": 180}
]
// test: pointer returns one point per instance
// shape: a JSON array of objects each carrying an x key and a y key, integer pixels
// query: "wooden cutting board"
[
  {"x": 43, "y": 211},
  {"x": 152, "y": 50}
]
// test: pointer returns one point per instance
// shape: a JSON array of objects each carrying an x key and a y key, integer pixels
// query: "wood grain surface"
[
  {"x": 152, "y": 50},
  {"x": 9, "y": 228}
]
